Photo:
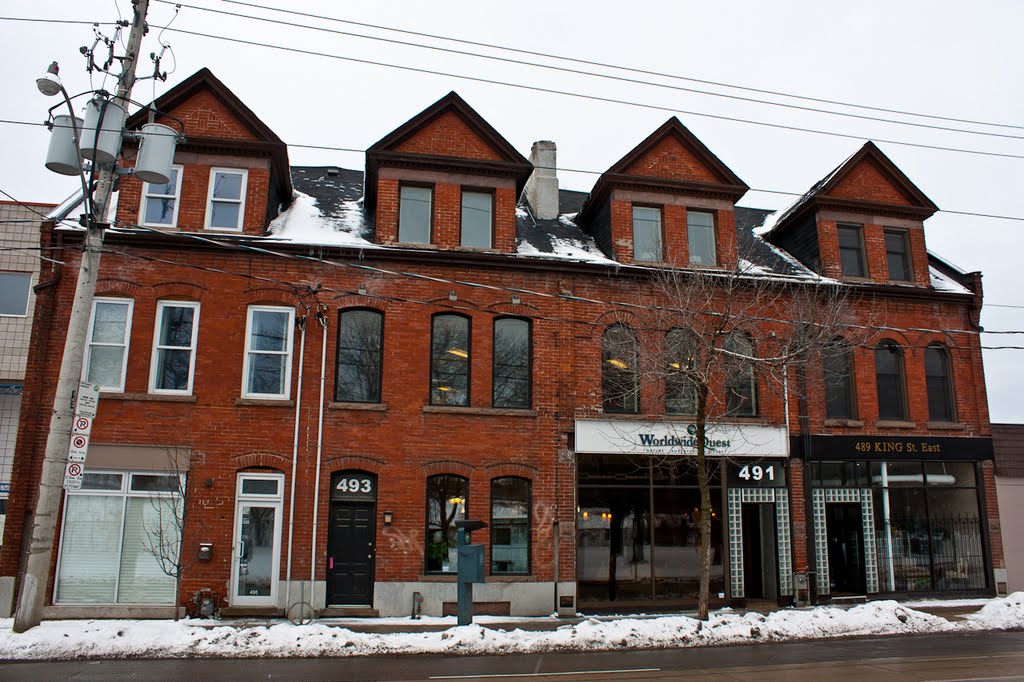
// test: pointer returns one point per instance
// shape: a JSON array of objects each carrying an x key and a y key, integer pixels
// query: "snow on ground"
[{"x": 203, "y": 638}]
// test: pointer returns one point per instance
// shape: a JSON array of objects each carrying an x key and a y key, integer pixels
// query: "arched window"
[
  {"x": 447, "y": 501},
  {"x": 837, "y": 367},
  {"x": 892, "y": 403},
  {"x": 510, "y": 526},
  {"x": 680, "y": 359},
  {"x": 619, "y": 356},
  {"x": 939, "y": 381},
  {"x": 449, "y": 360},
  {"x": 360, "y": 352},
  {"x": 511, "y": 368},
  {"x": 740, "y": 380}
]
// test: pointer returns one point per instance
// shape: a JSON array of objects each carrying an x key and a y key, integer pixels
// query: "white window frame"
[
  {"x": 124, "y": 492},
  {"x": 244, "y": 172},
  {"x": 28, "y": 297},
  {"x": 153, "y": 365},
  {"x": 146, "y": 195},
  {"x": 127, "y": 341},
  {"x": 287, "y": 353},
  {"x": 277, "y": 502}
]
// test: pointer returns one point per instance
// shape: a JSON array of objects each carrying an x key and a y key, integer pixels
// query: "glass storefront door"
[{"x": 256, "y": 560}]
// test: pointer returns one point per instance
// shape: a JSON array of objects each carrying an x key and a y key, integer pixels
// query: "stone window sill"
[
  {"x": 511, "y": 579},
  {"x": 946, "y": 426},
  {"x": 269, "y": 402},
  {"x": 894, "y": 424},
  {"x": 149, "y": 397},
  {"x": 847, "y": 423},
  {"x": 360, "y": 407},
  {"x": 438, "y": 578},
  {"x": 478, "y": 411}
]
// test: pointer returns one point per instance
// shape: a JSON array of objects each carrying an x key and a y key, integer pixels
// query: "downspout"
[
  {"x": 322, "y": 319},
  {"x": 295, "y": 459}
]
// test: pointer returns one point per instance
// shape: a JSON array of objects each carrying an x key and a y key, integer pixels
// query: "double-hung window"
[
  {"x": 511, "y": 370},
  {"x": 477, "y": 219},
  {"x": 700, "y": 237},
  {"x": 620, "y": 353},
  {"x": 447, "y": 502},
  {"x": 741, "y": 379},
  {"x": 226, "y": 206},
  {"x": 360, "y": 350},
  {"x": 107, "y": 354},
  {"x": 897, "y": 255},
  {"x": 647, "y": 234},
  {"x": 889, "y": 380},
  {"x": 837, "y": 366},
  {"x": 14, "y": 291},
  {"x": 939, "y": 383},
  {"x": 174, "y": 347},
  {"x": 267, "y": 370},
  {"x": 415, "y": 207},
  {"x": 851, "y": 250},
  {"x": 160, "y": 202}
]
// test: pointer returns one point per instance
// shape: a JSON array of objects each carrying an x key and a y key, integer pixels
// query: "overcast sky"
[{"x": 942, "y": 58}]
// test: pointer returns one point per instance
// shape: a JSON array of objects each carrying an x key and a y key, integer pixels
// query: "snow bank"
[{"x": 198, "y": 638}]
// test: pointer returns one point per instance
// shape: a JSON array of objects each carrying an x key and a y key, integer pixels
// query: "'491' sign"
[
  {"x": 762, "y": 474},
  {"x": 354, "y": 486}
]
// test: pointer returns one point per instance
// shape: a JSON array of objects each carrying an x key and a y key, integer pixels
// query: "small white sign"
[
  {"x": 73, "y": 476},
  {"x": 679, "y": 438},
  {"x": 79, "y": 447},
  {"x": 88, "y": 399},
  {"x": 81, "y": 425}
]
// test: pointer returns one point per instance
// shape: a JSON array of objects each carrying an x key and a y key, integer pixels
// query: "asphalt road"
[{"x": 947, "y": 657}]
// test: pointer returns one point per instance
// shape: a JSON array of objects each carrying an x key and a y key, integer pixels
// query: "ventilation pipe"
[{"x": 542, "y": 187}]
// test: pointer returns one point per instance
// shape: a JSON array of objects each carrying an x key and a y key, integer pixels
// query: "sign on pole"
[
  {"x": 79, "y": 447},
  {"x": 88, "y": 399},
  {"x": 73, "y": 474},
  {"x": 81, "y": 425}
]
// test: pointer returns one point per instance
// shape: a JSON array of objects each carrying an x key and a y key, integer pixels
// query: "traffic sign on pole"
[
  {"x": 82, "y": 425},
  {"x": 79, "y": 447},
  {"x": 88, "y": 399},
  {"x": 73, "y": 474}
]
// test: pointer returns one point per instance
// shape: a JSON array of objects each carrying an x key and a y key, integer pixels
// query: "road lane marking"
[{"x": 536, "y": 674}]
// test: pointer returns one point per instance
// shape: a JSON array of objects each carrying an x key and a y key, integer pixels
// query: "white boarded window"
[{"x": 106, "y": 356}]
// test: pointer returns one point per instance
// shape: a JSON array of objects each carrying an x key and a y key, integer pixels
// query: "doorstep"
[
  {"x": 251, "y": 612},
  {"x": 349, "y": 612}
]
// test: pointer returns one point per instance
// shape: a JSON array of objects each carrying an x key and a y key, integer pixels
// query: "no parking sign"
[{"x": 73, "y": 474}]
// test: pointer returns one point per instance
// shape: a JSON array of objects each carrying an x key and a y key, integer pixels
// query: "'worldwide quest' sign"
[{"x": 612, "y": 437}]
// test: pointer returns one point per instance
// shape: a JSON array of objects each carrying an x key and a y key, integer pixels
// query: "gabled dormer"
[
  {"x": 863, "y": 221},
  {"x": 446, "y": 179},
  {"x": 230, "y": 175},
  {"x": 670, "y": 200}
]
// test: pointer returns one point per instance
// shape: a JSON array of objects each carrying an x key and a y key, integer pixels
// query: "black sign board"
[
  {"x": 757, "y": 473},
  {"x": 896, "y": 448},
  {"x": 354, "y": 486}
]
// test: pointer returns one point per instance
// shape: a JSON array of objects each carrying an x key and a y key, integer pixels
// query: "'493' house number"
[{"x": 354, "y": 488}]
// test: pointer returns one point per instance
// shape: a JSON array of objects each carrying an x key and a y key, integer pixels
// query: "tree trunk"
[{"x": 705, "y": 505}]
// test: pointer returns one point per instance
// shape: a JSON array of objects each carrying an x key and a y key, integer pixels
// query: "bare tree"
[
  {"x": 164, "y": 526},
  {"x": 706, "y": 341}
]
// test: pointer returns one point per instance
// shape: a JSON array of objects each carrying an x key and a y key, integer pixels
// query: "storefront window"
[
  {"x": 628, "y": 548},
  {"x": 510, "y": 526},
  {"x": 109, "y": 545}
]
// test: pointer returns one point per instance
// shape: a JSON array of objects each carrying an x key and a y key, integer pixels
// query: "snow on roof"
[
  {"x": 941, "y": 282},
  {"x": 304, "y": 223}
]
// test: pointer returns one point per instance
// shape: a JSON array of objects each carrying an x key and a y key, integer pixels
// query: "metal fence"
[{"x": 937, "y": 554}]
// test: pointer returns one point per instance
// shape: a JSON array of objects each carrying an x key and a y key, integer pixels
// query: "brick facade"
[{"x": 404, "y": 439}]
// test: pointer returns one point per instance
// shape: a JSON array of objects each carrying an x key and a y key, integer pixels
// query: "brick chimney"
[{"x": 542, "y": 187}]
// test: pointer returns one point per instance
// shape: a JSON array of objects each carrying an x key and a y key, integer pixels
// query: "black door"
[
  {"x": 350, "y": 554},
  {"x": 753, "y": 579},
  {"x": 845, "y": 548}
]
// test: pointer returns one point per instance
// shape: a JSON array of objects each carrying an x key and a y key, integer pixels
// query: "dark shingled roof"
[{"x": 335, "y": 189}]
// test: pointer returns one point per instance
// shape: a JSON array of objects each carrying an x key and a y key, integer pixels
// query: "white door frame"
[{"x": 276, "y": 501}]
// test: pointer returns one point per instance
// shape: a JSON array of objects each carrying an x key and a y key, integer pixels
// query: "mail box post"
[{"x": 470, "y": 569}]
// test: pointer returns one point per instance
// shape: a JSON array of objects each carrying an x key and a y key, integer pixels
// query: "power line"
[
  {"x": 60, "y": 21},
  {"x": 581, "y": 72},
  {"x": 562, "y": 169},
  {"x": 615, "y": 66},
  {"x": 595, "y": 98}
]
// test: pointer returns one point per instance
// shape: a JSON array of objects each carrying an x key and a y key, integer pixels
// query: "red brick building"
[{"x": 341, "y": 376}]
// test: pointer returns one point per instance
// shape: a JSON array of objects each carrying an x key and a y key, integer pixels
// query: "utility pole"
[{"x": 39, "y": 551}]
